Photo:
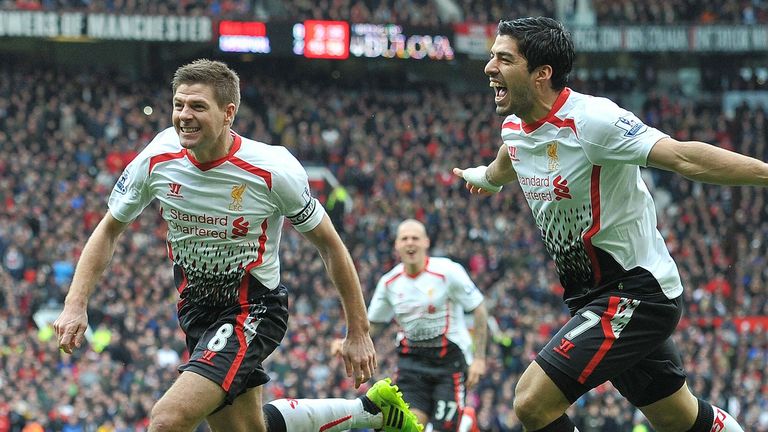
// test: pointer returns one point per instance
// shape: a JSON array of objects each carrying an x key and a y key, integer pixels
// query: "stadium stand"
[
  {"x": 425, "y": 13},
  {"x": 65, "y": 136}
]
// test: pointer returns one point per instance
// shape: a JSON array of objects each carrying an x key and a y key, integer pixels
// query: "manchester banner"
[{"x": 105, "y": 26}]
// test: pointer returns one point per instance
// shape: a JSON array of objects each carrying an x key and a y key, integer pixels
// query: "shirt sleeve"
[
  {"x": 380, "y": 310},
  {"x": 462, "y": 289},
  {"x": 611, "y": 134},
  {"x": 294, "y": 197},
  {"x": 130, "y": 196}
]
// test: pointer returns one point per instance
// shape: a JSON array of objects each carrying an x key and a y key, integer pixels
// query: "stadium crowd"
[
  {"x": 425, "y": 13},
  {"x": 66, "y": 136}
]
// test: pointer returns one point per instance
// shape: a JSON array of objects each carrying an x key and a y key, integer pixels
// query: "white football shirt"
[
  {"x": 579, "y": 171},
  {"x": 224, "y": 217},
  {"x": 428, "y": 305}
]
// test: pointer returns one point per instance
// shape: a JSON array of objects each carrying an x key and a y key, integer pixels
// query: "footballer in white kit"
[
  {"x": 225, "y": 199},
  {"x": 578, "y": 169},
  {"x": 224, "y": 220},
  {"x": 428, "y": 297},
  {"x": 577, "y": 159},
  {"x": 430, "y": 308}
]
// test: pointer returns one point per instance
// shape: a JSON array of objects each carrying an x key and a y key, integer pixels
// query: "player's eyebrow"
[
  {"x": 190, "y": 100},
  {"x": 504, "y": 54}
]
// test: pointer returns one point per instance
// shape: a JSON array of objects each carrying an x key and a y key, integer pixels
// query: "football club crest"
[
  {"x": 237, "y": 197},
  {"x": 553, "y": 161}
]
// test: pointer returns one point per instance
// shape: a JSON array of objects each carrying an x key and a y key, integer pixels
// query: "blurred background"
[{"x": 379, "y": 99}]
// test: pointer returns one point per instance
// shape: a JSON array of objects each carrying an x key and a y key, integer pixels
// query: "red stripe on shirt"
[
  {"x": 205, "y": 166},
  {"x": 165, "y": 157},
  {"x": 183, "y": 283},
  {"x": 262, "y": 247},
  {"x": 392, "y": 279},
  {"x": 180, "y": 289},
  {"x": 441, "y": 276},
  {"x": 245, "y": 166},
  {"x": 595, "y": 228},
  {"x": 610, "y": 338},
  {"x": 444, "y": 351},
  {"x": 551, "y": 118},
  {"x": 511, "y": 125}
]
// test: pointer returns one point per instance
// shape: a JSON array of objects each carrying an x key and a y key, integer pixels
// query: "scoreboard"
[{"x": 337, "y": 40}]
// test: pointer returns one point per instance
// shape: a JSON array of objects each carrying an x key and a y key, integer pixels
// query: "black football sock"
[{"x": 562, "y": 424}]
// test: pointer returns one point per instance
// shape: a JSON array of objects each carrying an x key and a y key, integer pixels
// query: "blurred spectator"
[
  {"x": 392, "y": 153},
  {"x": 675, "y": 12},
  {"x": 423, "y": 13}
]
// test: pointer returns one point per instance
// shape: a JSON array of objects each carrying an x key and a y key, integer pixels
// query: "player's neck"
[
  {"x": 414, "y": 269},
  {"x": 541, "y": 106},
  {"x": 217, "y": 151}
]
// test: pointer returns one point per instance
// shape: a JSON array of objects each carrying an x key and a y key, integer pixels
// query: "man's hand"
[
  {"x": 476, "y": 370},
  {"x": 70, "y": 327},
  {"x": 359, "y": 356},
  {"x": 336, "y": 346},
  {"x": 477, "y": 183}
]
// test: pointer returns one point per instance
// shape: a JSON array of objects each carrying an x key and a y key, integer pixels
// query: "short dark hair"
[
  {"x": 542, "y": 41},
  {"x": 225, "y": 82}
]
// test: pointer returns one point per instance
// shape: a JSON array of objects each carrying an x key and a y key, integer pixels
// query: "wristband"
[{"x": 477, "y": 177}]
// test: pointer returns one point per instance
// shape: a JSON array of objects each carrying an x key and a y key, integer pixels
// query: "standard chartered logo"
[
  {"x": 199, "y": 218},
  {"x": 186, "y": 223},
  {"x": 197, "y": 231}
]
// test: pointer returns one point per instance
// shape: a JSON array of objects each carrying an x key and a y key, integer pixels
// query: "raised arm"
[
  {"x": 359, "y": 355},
  {"x": 71, "y": 324},
  {"x": 707, "y": 163}
]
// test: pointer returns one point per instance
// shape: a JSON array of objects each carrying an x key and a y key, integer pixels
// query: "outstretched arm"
[
  {"x": 707, "y": 163},
  {"x": 487, "y": 180},
  {"x": 71, "y": 324},
  {"x": 359, "y": 355}
]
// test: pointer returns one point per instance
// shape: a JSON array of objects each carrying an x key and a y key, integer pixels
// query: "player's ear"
[
  {"x": 543, "y": 73},
  {"x": 229, "y": 114}
]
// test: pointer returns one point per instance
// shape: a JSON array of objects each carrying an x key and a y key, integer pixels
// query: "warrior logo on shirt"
[
  {"x": 512, "y": 150},
  {"x": 237, "y": 197},
  {"x": 174, "y": 191}
]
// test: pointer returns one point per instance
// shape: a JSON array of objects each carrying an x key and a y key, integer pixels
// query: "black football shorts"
[
  {"x": 439, "y": 395},
  {"x": 623, "y": 340},
  {"x": 228, "y": 345}
]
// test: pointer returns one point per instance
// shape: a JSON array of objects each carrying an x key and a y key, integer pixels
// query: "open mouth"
[
  {"x": 501, "y": 91},
  {"x": 189, "y": 130}
]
